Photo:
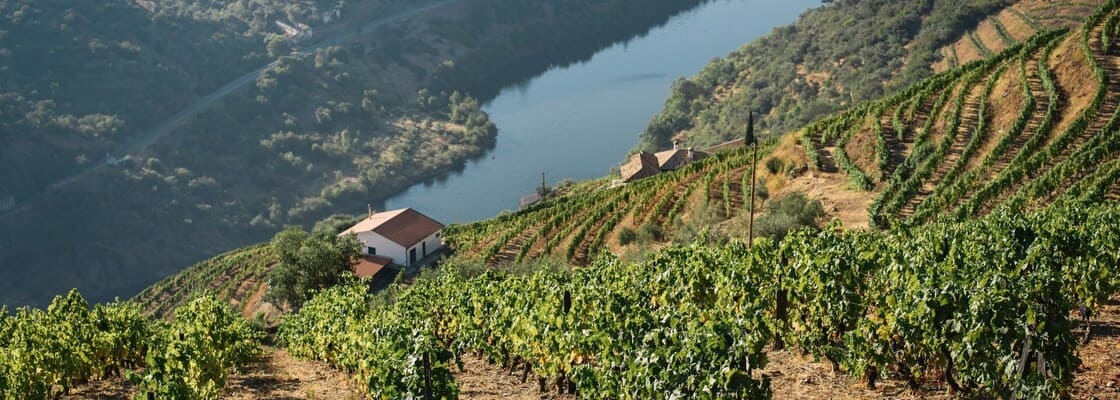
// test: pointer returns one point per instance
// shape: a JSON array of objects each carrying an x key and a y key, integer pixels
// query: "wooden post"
[
  {"x": 750, "y": 139},
  {"x": 750, "y": 210},
  {"x": 427, "y": 377}
]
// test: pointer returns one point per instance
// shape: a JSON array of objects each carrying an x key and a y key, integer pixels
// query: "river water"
[{"x": 580, "y": 120}]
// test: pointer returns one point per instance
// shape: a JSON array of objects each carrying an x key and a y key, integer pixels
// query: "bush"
[
  {"x": 650, "y": 233},
  {"x": 786, "y": 214},
  {"x": 774, "y": 165},
  {"x": 627, "y": 236}
]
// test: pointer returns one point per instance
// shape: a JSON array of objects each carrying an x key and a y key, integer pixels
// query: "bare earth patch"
[
  {"x": 861, "y": 151},
  {"x": 1074, "y": 80},
  {"x": 988, "y": 35},
  {"x": 1004, "y": 106},
  {"x": 279, "y": 376},
  {"x": 1099, "y": 375},
  {"x": 482, "y": 380},
  {"x": 1015, "y": 26}
]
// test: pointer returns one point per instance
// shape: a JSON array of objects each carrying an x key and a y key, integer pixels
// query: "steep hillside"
[
  {"x": 997, "y": 180},
  {"x": 842, "y": 54},
  {"x": 1011, "y": 26},
  {"x": 1031, "y": 125},
  {"x": 373, "y": 103},
  {"x": 1026, "y": 128},
  {"x": 1022, "y": 129},
  {"x": 238, "y": 276}
]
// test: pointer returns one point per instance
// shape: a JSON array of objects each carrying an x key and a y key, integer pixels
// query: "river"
[{"x": 579, "y": 121}]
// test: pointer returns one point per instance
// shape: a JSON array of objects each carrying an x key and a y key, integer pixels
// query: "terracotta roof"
[
  {"x": 368, "y": 266},
  {"x": 674, "y": 159},
  {"x": 641, "y": 165},
  {"x": 405, "y": 227}
]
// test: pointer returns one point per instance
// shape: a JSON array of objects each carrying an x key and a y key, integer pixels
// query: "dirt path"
[{"x": 279, "y": 376}]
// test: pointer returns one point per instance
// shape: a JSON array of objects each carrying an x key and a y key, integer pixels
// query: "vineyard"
[
  {"x": 1014, "y": 24},
  {"x": 237, "y": 276},
  {"x": 993, "y": 185},
  {"x": 980, "y": 308},
  {"x": 955, "y": 147},
  {"x": 578, "y": 227},
  {"x": 44, "y": 354},
  {"x": 1022, "y": 128}
]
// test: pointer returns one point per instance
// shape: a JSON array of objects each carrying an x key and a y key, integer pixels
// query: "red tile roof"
[
  {"x": 405, "y": 227},
  {"x": 368, "y": 266}
]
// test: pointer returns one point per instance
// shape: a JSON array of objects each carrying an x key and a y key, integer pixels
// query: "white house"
[{"x": 404, "y": 236}]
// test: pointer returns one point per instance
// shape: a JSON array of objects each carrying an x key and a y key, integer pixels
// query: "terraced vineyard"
[
  {"x": 237, "y": 276},
  {"x": 1017, "y": 130},
  {"x": 1021, "y": 128},
  {"x": 1011, "y": 26},
  {"x": 576, "y": 228}
]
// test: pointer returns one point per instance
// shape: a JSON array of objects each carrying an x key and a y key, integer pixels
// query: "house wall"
[
  {"x": 434, "y": 243},
  {"x": 385, "y": 247}
]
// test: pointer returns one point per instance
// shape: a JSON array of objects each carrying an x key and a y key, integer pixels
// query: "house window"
[
  {"x": 371, "y": 251},
  {"x": 412, "y": 256}
]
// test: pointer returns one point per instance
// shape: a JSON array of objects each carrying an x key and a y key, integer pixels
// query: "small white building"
[{"x": 404, "y": 236}]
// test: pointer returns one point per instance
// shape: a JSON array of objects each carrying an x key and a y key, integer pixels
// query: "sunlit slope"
[
  {"x": 1013, "y": 25},
  {"x": 576, "y": 227},
  {"x": 238, "y": 277},
  {"x": 1024, "y": 128},
  {"x": 1031, "y": 125}
]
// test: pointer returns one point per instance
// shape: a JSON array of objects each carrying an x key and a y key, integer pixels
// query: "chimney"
[
  {"x": 674, "y": 145},
  {"x": 370, "y": 207}
]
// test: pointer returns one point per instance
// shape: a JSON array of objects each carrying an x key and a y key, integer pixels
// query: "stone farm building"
[
  {"x": 400, "y": 238},
  {"x": 645, "y": 164}
]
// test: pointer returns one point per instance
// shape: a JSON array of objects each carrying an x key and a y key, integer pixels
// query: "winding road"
[{"x": 141, "y": 141}]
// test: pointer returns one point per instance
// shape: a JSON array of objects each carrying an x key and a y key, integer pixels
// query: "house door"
[
  {"x": 412, "y": 257},
  {"x": 424, "y": 246}
]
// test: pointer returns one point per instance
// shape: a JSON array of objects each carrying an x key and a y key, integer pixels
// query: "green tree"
[{"x": 309, "y": 262}]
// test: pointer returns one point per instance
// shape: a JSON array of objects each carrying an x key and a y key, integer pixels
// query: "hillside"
[
  {"x": 374, "y": 103},
  {"x": 839, "y": 55},
  {"x": 994, "y": 184},
  {"x": 1022, "y": 129},
  {"x": 837, "y": 160}
]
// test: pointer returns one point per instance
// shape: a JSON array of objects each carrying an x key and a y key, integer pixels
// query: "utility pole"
[{"x": 750, "y": 139}]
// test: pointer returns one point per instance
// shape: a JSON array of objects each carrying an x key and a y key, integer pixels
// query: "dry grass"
[
  {"x": 1074, "y": 80},
  {"x": 1004, "y": 105},
  {"x": 988, "y": 35},
  {"x": 1016, "y": 27},
  {"x": 834, "y": 190}
]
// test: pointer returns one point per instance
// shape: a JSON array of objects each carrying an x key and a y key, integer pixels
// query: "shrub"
[
  {"x": 786, "y": 214},
  {"x": 650, "y": 233},
  {"x": 627, "y": 236},
  {"x": 774, "y": 165}
]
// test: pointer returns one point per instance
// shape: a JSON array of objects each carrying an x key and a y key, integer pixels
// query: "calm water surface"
[{"x": 579, "y": 121}]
